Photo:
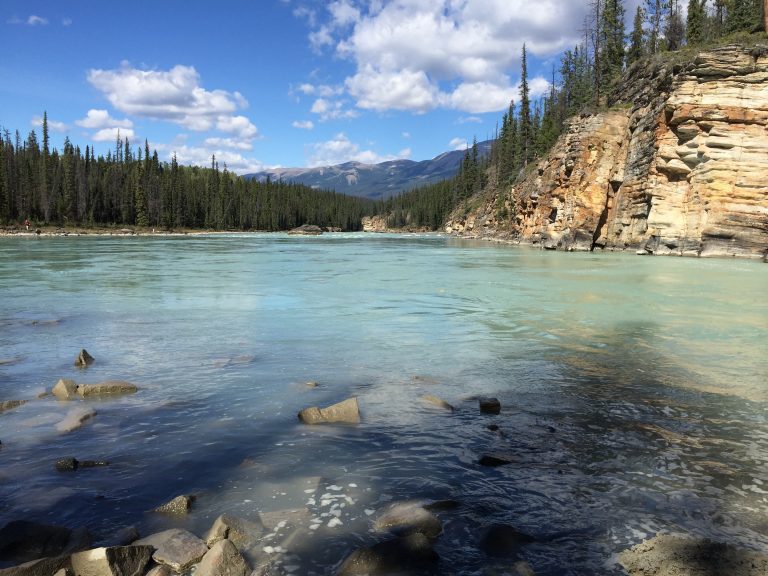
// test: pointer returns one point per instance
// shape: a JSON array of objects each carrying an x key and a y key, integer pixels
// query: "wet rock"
[
  {"x": 107, "y": 388},
  {"x": 175, "y": 548},
  {"x": 504, "y": 540},
  {"x": 439, "y": 402},
  {"x": 241, "y": 532},
  {"x": 75, "y": 418},
  {"x": 410, "y": 554},
  {"x": 666, "y": 555},
  {"x": 307, "y": 230},
  {"x": 406, "y": 518},
  {"x": 118, "y": 561},
  {"x": 80, "y": 539},
  {"x": 441, "y": 505},
  {"x": 65, "y": 389},
  {"x": 179, "y": 505},
  {"x": 346, "y": 412},
  {"x": 41, "y": 567},
  {"x": 490, "y": 406},
  {"x": 223, "y": 559},
  {"x": 21, "y": 541},
  {"x": 283, "y": 518},
  {"x": 311, "y": 384},
  {"x": 122, "y": 537},
  {"x": 72, "y": 464},
  {"x": 497, "y": 459},
  {"x": 84, "y": 359},
  {"x": 11, "y": 404}
]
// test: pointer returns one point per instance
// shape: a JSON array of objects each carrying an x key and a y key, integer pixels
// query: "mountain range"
[{"x": 374, "y": 181}]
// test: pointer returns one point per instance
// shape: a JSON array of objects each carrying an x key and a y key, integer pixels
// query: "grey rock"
[
  {"x": 439, "y": 402},
  {"x": 490, "y": 406},
  {"x": 84, "y": 359},
  {"x": 307, "y": 230},
  {"x": 41, "y": 567},
  {"x": 223, "y": 559},
  {"x": 65, "y": 389},
  {"x": 175, "y": 548},
  {"x": 346, "y": 412},
  {"x": 159, "y": 571},
  {"x": 122, "y": 537},
  {"x": 244, "y": 534},
  {"x": 179, "y": 505},
  {"x": 409, "y": 555},
  {"x": 66, "y": 464},
  {"x": 117, "y": 561},
  {"x": 404, "y": 518}
]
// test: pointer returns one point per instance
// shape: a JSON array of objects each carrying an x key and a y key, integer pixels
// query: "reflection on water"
[{"x": 634, "y": 389}]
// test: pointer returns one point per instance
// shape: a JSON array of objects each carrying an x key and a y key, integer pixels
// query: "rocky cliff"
[{"x": 677, "y": 165}]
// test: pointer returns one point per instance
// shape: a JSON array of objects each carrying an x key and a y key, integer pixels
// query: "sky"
[{"x": 276, "y": 83}]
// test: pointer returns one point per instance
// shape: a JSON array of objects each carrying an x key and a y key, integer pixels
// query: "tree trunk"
[{"x": 765, "y": 16}]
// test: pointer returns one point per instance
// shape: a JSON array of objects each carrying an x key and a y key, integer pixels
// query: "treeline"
[
  {"x": 133, "y": 187},
  {"x": 586, "y": 75}
]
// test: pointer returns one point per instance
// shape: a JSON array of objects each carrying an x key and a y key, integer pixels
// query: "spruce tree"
[
  {"x": 526, "y": 130},
  {"x": 696, "y": 21},
  {"x": 612, "y": 43},
  {"x": 636, "y": 49},
  {"x": 743, "y": 15}
]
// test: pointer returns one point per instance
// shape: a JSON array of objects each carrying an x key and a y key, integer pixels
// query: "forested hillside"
[{"x": 132, "y": 187}]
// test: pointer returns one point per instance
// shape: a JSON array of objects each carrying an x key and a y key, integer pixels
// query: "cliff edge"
[{"x": 677, "y": 165}]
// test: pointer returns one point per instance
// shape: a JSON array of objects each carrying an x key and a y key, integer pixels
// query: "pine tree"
[
  {"x": 655, "y": 14},
  {"x": 612, "y": 33},
  {"x": 142, "y": 219},
  {"x": 696, "y": 21},
  {"x": 743, "y": 15},
  {"x": 674, "y": 31},
  {"x": 636, "y": 49},
  {"x": 526, "y": 130}
]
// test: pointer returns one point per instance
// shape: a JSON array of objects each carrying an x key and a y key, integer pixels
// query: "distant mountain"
[{"x": 374, "y": 181}]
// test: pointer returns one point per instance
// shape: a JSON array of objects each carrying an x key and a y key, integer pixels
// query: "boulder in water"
[
  {"x": 111, "y": 561},
  {"x": 107, "y": 388},
  {"x": 504, "y": 540},
  {"x": 84, "y": 359},
  {"x": 75, "y": 418},
  {"x": 223, "y": 559},
  {"x": 490, "y": 406},
  {"x": 179, "y": 505},
  {"x": 65, "y": 389},
  {"x": 346, "y": 412},
  {"x": 439, "y": 402},
  {"x": 307, "y": 230},
  {"x": 11, "y": 404},
  {"x": 405, "y": 518},
  {"x": 411, "y": 554}
]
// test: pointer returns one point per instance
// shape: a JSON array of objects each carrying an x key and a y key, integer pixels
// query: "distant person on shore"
[{"x": 26, "y": 223}]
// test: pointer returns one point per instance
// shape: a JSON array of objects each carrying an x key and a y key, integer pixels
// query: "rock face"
[
  {"x": 111, "y": 561},
  {"x": 346, "y": 412},
  {"x": 679, "y": 165},
  {"x": 177, "y": 549}
]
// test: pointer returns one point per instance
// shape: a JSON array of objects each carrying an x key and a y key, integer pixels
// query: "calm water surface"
[{"x": 634, "y": 390}]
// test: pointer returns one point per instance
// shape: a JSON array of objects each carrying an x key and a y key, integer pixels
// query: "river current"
[{"x": 634, "y": 390}]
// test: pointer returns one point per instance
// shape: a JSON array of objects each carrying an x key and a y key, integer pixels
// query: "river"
[{"x": 634, "y": 389}]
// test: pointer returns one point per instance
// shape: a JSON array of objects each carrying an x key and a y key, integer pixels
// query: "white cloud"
[
  {"x": 66, "y": 22},
  {"x": 303, "y": 125},
  {"x": 37, "y": 21},
  {"x": 406, "y": 135},
  {"x": 470, "y": 120},
  {"x": 331, "y": 110},
  {"x": 341, "y": 149},
  {"x": 97, "y": 119},
  {"x": 229, "y": 143},
  {"x": 201, "y": 156},
  {"x": 53, "y": 125},
  {"x": 458, "y": 144},
  {"x": 419, "y": 55},
  {"x": 111, "y": 134}
]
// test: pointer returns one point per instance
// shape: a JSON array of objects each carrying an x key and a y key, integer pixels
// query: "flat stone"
[
  {"x": 346, "y": 412},
  {"x": 223, "y": 559},
  {"x": 439, "y": 402},
  {"x": 75, "y": 418},
  {"x": 490, "y": 406},
  {"x": 175, "y": 548},
  {"x": 84, "y": 359},
  {"x": 117, "y": 561},
  {"x": 179, "y": 505},
  {"x": 107, "y": 388},
  {"x": 65, "y": 389}
]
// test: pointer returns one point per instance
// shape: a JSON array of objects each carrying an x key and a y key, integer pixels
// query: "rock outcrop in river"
[{"x": 677, "y": 165}]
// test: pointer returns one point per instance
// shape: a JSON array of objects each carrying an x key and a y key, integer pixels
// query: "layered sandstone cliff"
[{"x": 679, "y": 165}]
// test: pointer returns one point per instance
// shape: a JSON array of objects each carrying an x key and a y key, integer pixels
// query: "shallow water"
[{"x": 634, "y": 390}]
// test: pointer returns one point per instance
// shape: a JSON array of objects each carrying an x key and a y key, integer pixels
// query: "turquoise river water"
[{"x": 634, "y": 390}]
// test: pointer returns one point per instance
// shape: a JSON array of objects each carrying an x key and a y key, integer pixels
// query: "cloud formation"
[
  {"x": 53, "y": 125},
  {"x": 175, "y": 95},
  {"x": 106, "y": 128},
  {"x": 418, "y": 55},
  {"x": 341, "y": 149}
]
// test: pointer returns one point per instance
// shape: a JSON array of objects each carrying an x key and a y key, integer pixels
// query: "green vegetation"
[{"x": 134, "y": 188}]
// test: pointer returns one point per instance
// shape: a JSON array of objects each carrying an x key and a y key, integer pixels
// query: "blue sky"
[{"x": 266, "y": 83}]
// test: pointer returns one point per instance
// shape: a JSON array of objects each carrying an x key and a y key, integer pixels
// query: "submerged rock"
[
  {"x": 21, "y": 540},
  {"x": 439, "y": 402},
  {"x": 490, "y": 406},
  {"x": 347, "y": 412},
  {"x": 84, "y": 359},
  {"x": 179, "y": 505},
  {"x": 666, "y": 555},
  {"x": 241, "y": 532},
  {"x": 411, "y": 554},
  {"x": 107, "y": 388},
  {"x": 504, "y": 540},
  {"x": 11, "y": 404},
  {"x": 75, "y": 419},
  {"x": 71, "y": 464},
  {"x": 497, "y": 459},
  {"x": 406, "y": 518},
  {"x": 307, "y": 230}
]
